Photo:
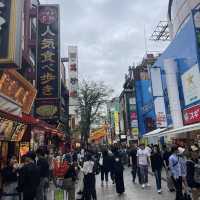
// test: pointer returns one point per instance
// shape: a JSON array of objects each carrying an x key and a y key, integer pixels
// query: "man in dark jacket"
[
  {"x": 29, "y": 178},
  {"x": 191, "y": 179},
  {"x": 43, "y": 166},
  {"x": 133, "y": 161}
]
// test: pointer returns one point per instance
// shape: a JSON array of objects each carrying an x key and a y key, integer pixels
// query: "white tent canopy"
[
  {"x": 154, "y": 133},
  {"x": 184, "y": 129}
]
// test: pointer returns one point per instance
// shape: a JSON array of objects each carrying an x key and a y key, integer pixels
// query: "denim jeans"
[
  {"x": 144, "y": 174},
  {"x": 134, "y": 172},
  {"x": 157, "y": 174}
]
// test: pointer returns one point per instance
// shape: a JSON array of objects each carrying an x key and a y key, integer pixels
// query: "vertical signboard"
[
  {"x": 73, "y": 78},
  {"x": 10, "y": 33},
  {"x": 48, "y": 62},
  {"x": 116, "y": 122}
]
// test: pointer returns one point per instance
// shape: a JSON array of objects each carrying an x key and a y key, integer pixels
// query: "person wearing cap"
[
  {"x": 192, "y": 164},
  {"x": 29, "y": 178},
  {"x": 176, "y": 171}
]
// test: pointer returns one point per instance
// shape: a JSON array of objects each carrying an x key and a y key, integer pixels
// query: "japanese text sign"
[
  {"x": 14, "y": 86},
  {"x": 48, "y": 60},
  {"x": 192, "y": 115}
]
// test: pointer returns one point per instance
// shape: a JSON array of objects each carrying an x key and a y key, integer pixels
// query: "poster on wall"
[
  {"x": 161, "y": 119},
  {"x": 116, "y": 121},
  {"x": 11, "y": 33},
  {"x": 48, "y": 61},
  {"x": 190, "y": 82}
]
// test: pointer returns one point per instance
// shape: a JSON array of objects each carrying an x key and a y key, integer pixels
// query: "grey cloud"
[{"x": 109, "y": 34}]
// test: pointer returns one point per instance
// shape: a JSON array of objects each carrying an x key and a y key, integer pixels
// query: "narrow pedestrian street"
[{"x": 133, "y": 191}]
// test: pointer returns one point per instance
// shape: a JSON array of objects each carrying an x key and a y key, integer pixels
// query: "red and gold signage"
[
  {"x": 13, "y": 85},
  {"x": 192, "y": 115}
]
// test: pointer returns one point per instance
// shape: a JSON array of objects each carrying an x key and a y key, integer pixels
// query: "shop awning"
[
  {"x": 184, "y": 129},
  {"x": 154, "y": 133},
  {"x": 30, "y": 120}
]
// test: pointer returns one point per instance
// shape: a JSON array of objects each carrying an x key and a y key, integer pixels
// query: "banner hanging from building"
[
  {"x": 48, "y": 62},
  {"x": 73, "y": 78},
  {"x": 11, "y": 33}
]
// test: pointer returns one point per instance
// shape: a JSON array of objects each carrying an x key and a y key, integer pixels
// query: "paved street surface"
[{"x": 133, "y": 191}]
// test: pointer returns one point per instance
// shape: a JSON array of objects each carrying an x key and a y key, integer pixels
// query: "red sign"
[
  {"x": 133, "y": 115},
  {"x": 191, "y": 115}
]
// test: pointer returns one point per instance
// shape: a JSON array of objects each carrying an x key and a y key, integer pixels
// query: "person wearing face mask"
[{"x": 119, "y": 177}]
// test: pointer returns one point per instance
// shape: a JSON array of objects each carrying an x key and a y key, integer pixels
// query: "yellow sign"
[
  {"x": 116, "y": 121},
  {"x": 135, "y": 131}
]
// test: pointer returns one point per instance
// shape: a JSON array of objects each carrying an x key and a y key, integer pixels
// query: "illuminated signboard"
[
  {"x": 48, "y": 62},
  {"x": 10, "y": 33},
  {"x": 14, "y": 86}
]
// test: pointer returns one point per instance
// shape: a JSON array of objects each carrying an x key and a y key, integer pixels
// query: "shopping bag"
[{"x": 60, "y": 195}]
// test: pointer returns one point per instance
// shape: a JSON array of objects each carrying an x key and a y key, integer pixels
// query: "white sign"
[
  {"x": 191, "y": 83},
  {"x": 156, "y": 82},
  {"x": 161, "y": 119}
]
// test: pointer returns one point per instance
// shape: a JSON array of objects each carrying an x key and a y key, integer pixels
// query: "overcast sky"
[{"x": 109, "y": 35}]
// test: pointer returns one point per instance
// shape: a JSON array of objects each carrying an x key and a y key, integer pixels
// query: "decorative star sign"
[
  {"x": 2, "y": 20},
  {"x": 190, "y": 80}
]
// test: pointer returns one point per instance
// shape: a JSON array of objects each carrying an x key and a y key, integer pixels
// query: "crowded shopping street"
[{"x": 99, "y": 100}]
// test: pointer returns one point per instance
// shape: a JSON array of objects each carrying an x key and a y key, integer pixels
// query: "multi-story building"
[{"x": 127, "y": 110}]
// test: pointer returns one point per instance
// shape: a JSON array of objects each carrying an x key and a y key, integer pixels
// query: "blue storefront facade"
[{"x": 184, "y": 51}]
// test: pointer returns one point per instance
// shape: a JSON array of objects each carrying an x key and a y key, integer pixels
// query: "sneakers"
[
  {"x": 147, "y": 185},
  {"x": 143, "y": 186},
  {"x": 159, "y": 191}
]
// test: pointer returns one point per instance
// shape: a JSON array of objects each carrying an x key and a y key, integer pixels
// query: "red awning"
[{"x": 34, "y": 122}]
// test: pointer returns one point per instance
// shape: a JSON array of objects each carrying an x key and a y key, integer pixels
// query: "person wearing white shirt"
[{"x": 143, "y": 161}]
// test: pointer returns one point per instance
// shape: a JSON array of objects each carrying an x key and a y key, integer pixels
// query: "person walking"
[
  {"x": 105, "y": 167},
  {"x": 143, "y": 161},
  {"x": 175, "y": 168},
  {"x": 166, "y": 155},
  {"x": 43, "y": 166},
  {"x": 192, "y": 177},
  {"x": 29, "y": 178},
  {"x": 9, "y": 180},
  {"x": 133, "y": 161},
  {"x": 157, "y": 164},
  {"x": 119, "y": 177},
  {"x": 89, "y": 191},
  {"x": 69, "y": 181}
]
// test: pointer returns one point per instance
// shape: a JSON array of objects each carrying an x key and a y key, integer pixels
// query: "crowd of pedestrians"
[{"x": 76, "y": 171}]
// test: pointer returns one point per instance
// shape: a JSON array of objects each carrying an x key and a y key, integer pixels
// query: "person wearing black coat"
[
  {"x": 119, "y": 176},
  {"x": 105, "y": 167},
  {"x": 29, "y": 179},
  {"x": 157, "y": 164},
  {"x": 190, "y": 174}
]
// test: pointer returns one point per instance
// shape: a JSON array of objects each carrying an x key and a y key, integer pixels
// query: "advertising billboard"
[
  {"x": 48, "y": 62},
  {"x": 14, "y": 86},
  {"x": 156, "y": 80},
  {"x": 11, "y": 33},
  {"x": 161, "y": 118},
  {"x": 190, "y": 82}
]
